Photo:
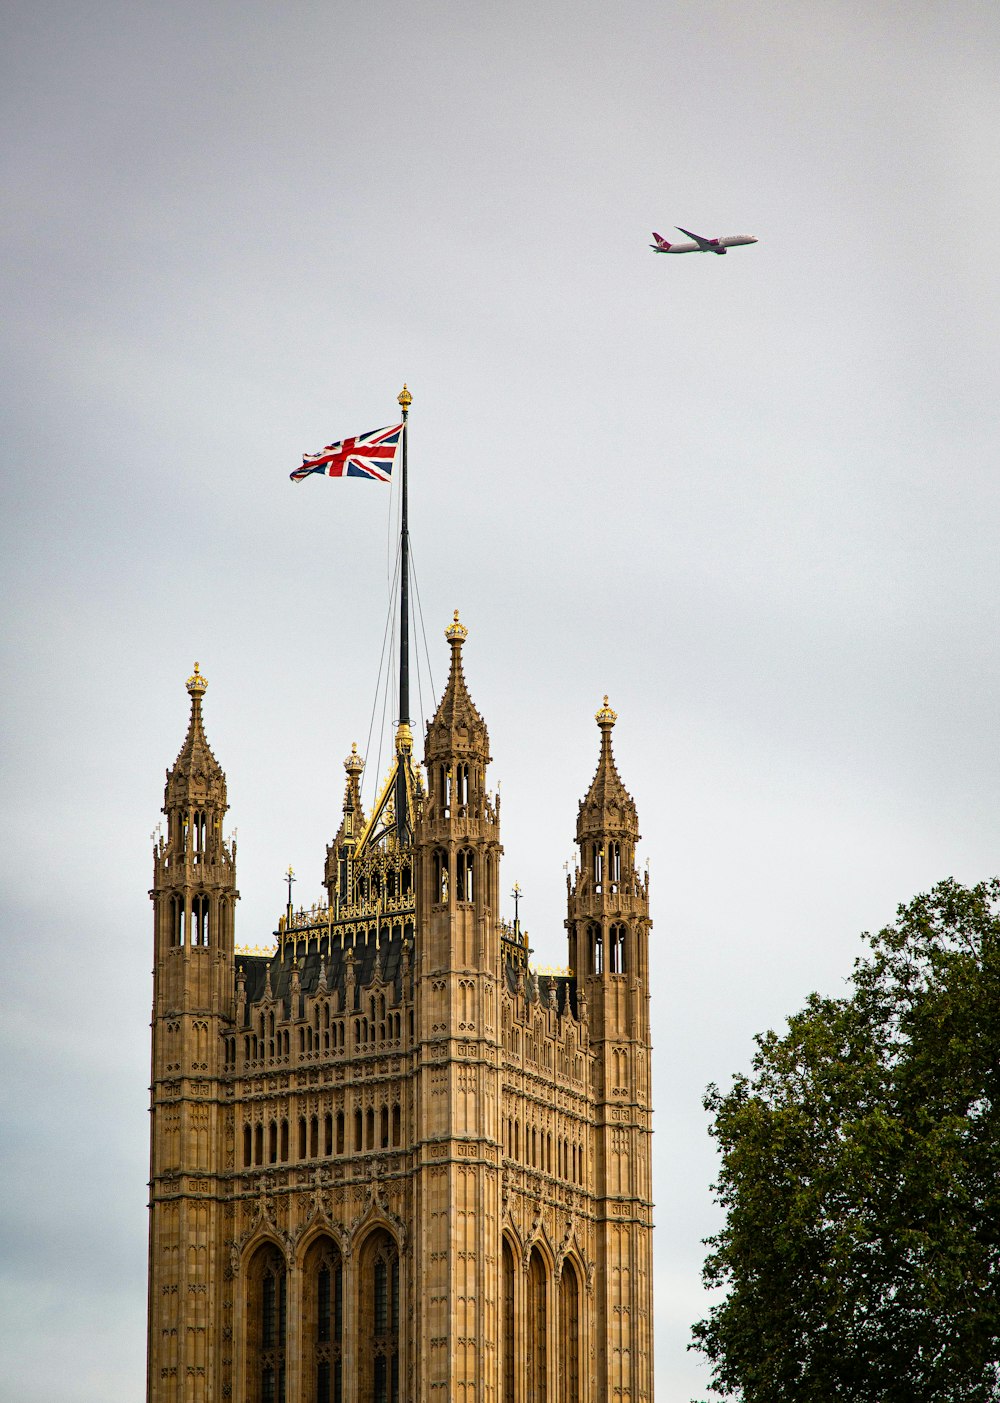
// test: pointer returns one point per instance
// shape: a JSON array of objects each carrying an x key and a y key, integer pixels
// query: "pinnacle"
[
  {"x": 195, "y": 759},
  {"x": 457, "y": 711},
  {"x": 608, "y": 804}
]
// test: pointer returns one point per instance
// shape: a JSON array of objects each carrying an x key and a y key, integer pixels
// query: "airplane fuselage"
[{"x": 701, "y": 245}]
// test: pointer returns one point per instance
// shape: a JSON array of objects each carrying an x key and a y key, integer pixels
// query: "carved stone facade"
[{"x": 391, "y": 1162}]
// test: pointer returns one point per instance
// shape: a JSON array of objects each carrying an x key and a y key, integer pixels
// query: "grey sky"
[{"x": 754, "y": 501}]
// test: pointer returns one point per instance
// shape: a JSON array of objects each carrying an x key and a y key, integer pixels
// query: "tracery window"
[
  {"x": 569, "y": 1334},
  {"x": 266, "y": 1308},
  {"x": 507, "y": 1339},
  {"x": 379, "y": 1314},
  {"x": 536, "y": 1335},
  {"x": 324, "y": 1323}
]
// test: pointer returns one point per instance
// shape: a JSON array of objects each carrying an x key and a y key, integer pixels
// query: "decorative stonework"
[{"x": 390, "y": 1088}]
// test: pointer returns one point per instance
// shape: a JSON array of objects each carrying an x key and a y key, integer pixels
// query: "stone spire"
[
  {"x": 608, "y": 810},
  {"x": 196, "y": 777},
  {"x": 457, "y": 726}
]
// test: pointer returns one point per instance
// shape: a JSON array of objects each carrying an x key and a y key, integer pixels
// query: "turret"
[
  {"x": 458, "y": 834},
  {"x": 194, "y": 1000},
  {"x": 338, "y": 877},
  {"x": 194, "y": 874},
  {"x": 608, "y": 918}
]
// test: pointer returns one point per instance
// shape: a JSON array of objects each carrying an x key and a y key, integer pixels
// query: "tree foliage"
[{"x": 861, "y": 1179}]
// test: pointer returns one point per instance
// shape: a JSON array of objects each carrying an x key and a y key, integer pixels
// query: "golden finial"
[
  {"x": 354, "y": 764},
  {"x": 606, "y": 717},
  {"x": 456, "y": 632},
  {"x": 196, "y": 683},
  {"x": 404, "y": 398},
  {"x": 404, "y": 739}
]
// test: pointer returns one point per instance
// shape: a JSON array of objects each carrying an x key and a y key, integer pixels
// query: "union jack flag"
[{"x": 368, "y": 455}]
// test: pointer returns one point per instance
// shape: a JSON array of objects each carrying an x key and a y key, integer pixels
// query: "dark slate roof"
[{"x": 369, "y": 960}]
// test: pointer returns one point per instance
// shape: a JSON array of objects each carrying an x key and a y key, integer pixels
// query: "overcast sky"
[{"x": 754, "y": 500}]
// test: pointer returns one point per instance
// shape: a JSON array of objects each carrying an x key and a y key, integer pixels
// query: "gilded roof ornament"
[
  {"x": 456, "y": 632},
  {"x": 196, "y": 683},
  {"x": 404, "y": 399},
  {"x": 354, "y": 763},
  {"x": 606, "y": 717}
]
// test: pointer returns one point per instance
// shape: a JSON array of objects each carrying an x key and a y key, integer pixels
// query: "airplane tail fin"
[{"x": 661, "y": 242}]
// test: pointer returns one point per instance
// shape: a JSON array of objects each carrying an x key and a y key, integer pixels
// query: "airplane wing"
[{"x": 699, "y": 240}]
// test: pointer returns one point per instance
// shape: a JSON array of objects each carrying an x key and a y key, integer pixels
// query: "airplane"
[{"x": 700, "y": 244}]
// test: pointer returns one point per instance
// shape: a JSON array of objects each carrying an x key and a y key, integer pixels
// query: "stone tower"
[
  {"x": 390, "y": 1161},
  {"x": 608, "y": 926},
  {"x": 191, "y": 1154}
]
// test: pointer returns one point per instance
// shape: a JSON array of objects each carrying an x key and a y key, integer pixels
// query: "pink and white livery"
[{"x": 701, "y": 245}]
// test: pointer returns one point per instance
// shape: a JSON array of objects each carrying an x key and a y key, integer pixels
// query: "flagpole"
[
  {"x": 405, "y": 400},
  {"x": 404, "y": 736}
]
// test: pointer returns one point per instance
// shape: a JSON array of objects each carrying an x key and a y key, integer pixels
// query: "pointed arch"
[
  {"x": 569, "y": 1333},
  {"x": 536, "y": 1333},
  {"x": 266, "y": 1323},
  {"x": 323, "y": 1319},
  {"x": 378, "y": 1316},
  {"x": 508, "y": 1289}
]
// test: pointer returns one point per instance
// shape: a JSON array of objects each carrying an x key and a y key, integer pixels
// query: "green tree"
[{"x": 860, "y": 1175}]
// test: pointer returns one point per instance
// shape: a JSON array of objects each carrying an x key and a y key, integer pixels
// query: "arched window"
[
  {"x": 284, "y": 1141},
  {"x": 247, "y": 1145},
  {"x": 272, "y": 1142},
  {"x": 199, "y": 920},
  {"x": 266, "y": 1326},
  {"x": 596, "y": 942},
  {"x": 461, "y": 786},
  {"x": 507, "y": 1337},
  {"x": 384, "y": 1127},
  {"x": 302, "y": 1137},
  {"x": 258, "y": 1144},
  {"x": 569, "y": 1334},
  {"x": 598, "y": 861},
  {"x": 323, "y": 1298},
  {"x": 465, "y": 875},
  {"x": 440, "y": 864},
  {"x": 396, "y": 1129},
  {"x": 616, "y": 948},
  {"x": 340, "y": 1132},
  {"x": 614, "y": 862},
  {"x": 536, "y": 1335},
  {"x": 370, "y": 1129},
  {"x": 328, "y": 1134},
  {"x": 313, "y": 1137},
  {"x": 176, "y": 920},
  {"x": 379, "y": 1313},
  {"x": 358, "y": 1132}
]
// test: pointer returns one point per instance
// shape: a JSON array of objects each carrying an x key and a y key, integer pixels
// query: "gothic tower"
[
  {"x": 390, "y": 1161},
  {"x": 193, "y": 895},
  {"x": 457, "y": 1087},
  {"x": 608, "y": 926}
]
